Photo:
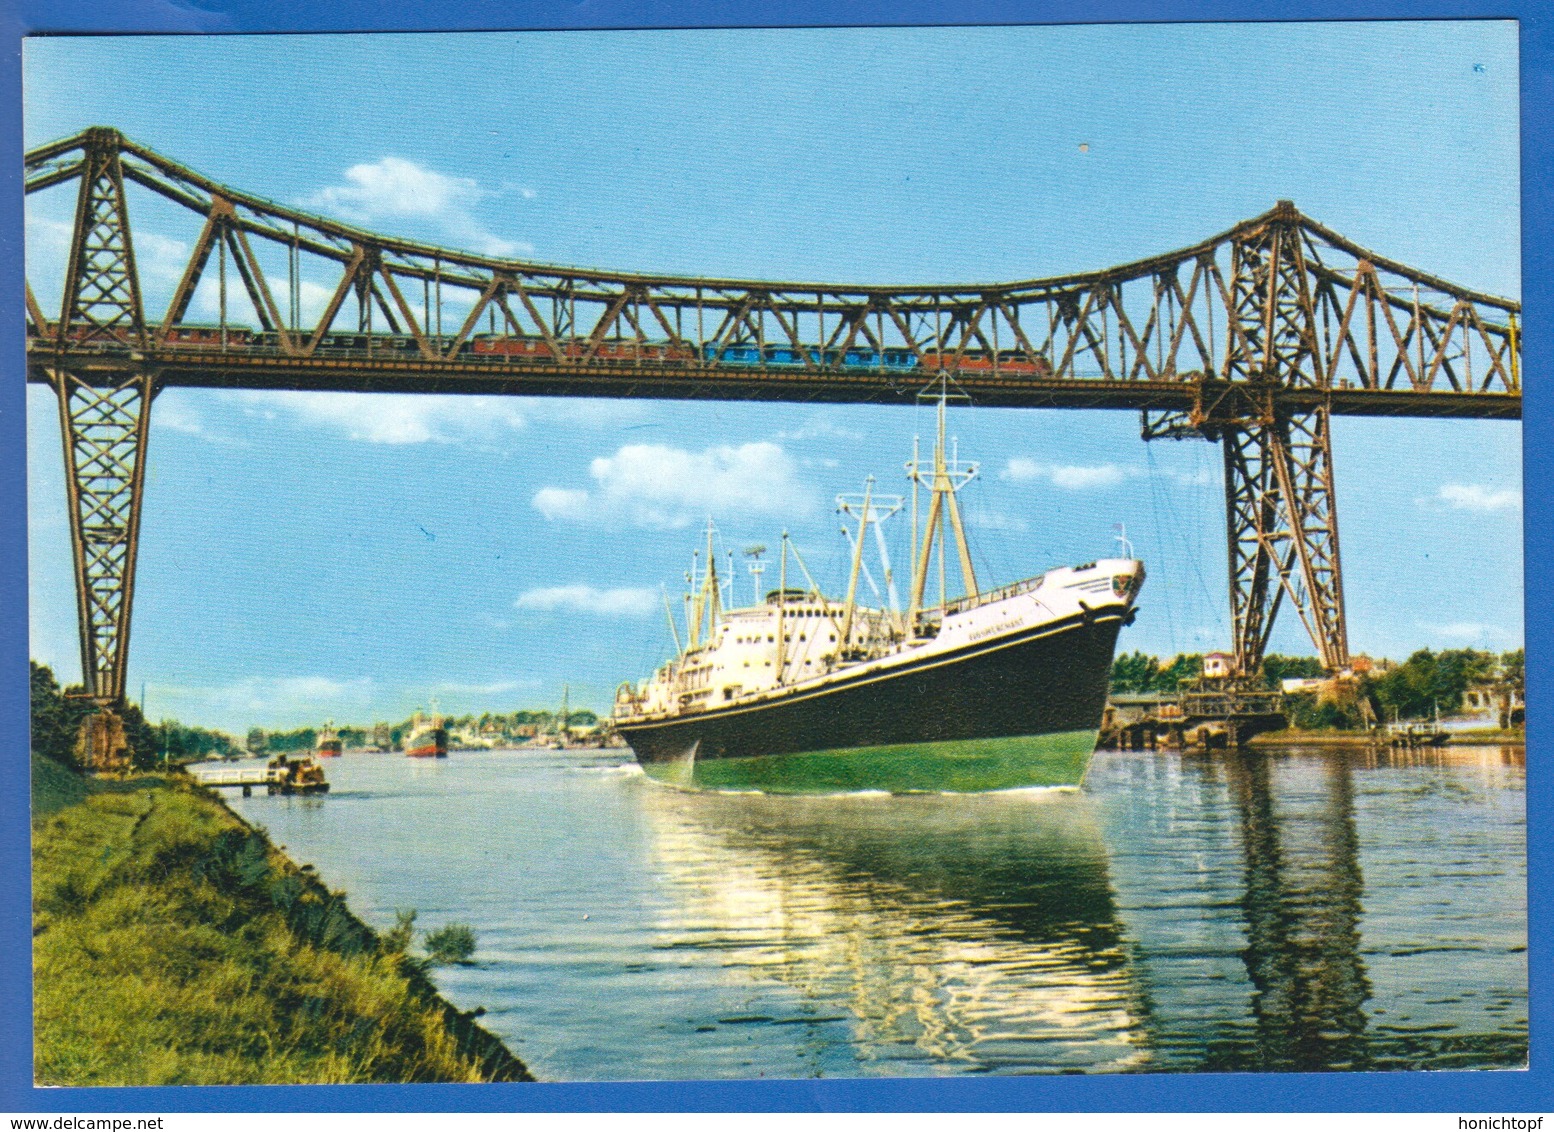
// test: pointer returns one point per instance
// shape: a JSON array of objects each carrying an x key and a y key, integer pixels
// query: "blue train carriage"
[{"x": 788, "y": 356}]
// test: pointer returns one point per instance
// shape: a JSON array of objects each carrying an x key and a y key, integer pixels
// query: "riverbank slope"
[{"x": 173, "y": 944}]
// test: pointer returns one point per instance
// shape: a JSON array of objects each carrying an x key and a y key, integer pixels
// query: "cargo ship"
[
  {"x": 798, "y": 693},
  {"x": 428, "y": 738},
  {"x": 329, "y": 743}
]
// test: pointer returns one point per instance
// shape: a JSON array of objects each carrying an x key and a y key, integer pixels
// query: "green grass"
[
  {"x": 172, "y": 944},
  {"x": 54, "y": 787}
]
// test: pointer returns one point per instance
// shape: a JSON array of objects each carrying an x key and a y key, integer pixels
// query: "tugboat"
[
  {"x": 329, "y": 742},
  {"x": 299, "y": 774},
  {"x": 996, "y": 689},
  {"x": 428, "y": 738}
]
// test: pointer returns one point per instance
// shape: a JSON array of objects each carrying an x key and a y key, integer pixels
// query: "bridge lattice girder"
[{"x": 1256, "y": 337}]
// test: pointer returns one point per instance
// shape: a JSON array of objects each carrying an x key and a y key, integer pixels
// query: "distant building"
[
  {"x": 1296, "y": 685},
  {"x": 1218, "y": 665},
  {"x": 1494, "y": 705}
]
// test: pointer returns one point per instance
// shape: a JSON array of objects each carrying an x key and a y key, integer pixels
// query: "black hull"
[{"x": 1051, "y": 680}]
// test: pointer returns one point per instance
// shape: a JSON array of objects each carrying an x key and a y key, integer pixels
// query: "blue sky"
[{"x": 309, "y": 555}]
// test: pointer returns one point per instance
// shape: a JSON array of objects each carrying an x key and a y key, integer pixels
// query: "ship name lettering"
[{"x": 993, "y": 630}]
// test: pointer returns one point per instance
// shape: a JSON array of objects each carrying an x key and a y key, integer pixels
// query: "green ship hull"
[{"x": 965, "y": 766}]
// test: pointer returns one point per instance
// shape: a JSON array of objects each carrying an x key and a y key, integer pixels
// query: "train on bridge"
[{"x": 626, "y": 351}]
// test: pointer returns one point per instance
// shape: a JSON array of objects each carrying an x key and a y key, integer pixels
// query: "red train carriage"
[
  {"x": 204, "y": 334},
  {"x": 1012, "y": 362}
]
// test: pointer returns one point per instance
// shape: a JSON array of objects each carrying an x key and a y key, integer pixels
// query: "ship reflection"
[
  {"x": 1291, "y": 911},
  {"x": 950, "y": 934}
]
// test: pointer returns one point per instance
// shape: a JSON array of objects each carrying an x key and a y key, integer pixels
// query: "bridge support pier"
[
  {"x": 104, "y": 417},
  {"x": 1282, "y": 536}
]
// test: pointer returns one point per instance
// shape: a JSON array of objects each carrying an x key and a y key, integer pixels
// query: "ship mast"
[
  {"x": 943, "y": 482},
  {"x": 673, "y": 632},
  {"x": 707, "y": 604},
  {"x": 782, "y": 600},
  {"x": 852, "y": 578},
  {"x": 870, "y": 510}
]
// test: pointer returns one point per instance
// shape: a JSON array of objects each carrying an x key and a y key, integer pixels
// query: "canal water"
[{"x": 1291, "y": 910}]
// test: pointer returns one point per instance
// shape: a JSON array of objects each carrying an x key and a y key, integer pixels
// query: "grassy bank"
[{"x": 173, "y": 944}]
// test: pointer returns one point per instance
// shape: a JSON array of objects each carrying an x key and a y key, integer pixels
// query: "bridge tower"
[
  {"x": 104, "y": 411},
  {"x": 1281, "y": 517}
]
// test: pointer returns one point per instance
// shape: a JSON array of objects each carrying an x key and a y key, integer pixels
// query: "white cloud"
[
  {"x": 498, "y": 688},
  {"x": 393, "y": 188},
  {"x": 820, "y": 427},
  {"x": 997, "y": 521},
  {"x": 619, "y": 602},
  {"x": 589, "y": 412},
  {"x": 1477, "y": 497},
  {"x": 173, "y": 410},
  {"x": 169, "y": 412},
  {"x": 394, "y": 418},
  {"x": 562, "y": 503},
  {"x": 1200, "y": 478},
  {"x": 47, "y": 247},
  {"x": 1462, "y": 630},
  {"x": 654, "y": 485},
  {"x": 1074, "y": 477}
]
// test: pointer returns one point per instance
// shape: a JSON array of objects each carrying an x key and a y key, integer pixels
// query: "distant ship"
[
  {"x": 329, "y": 744},
  {"x": 428, "y": 738},
  {"x": 800, "y": 693}
]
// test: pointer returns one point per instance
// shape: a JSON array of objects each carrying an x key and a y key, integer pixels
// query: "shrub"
[{"x": 452, "y": 944}]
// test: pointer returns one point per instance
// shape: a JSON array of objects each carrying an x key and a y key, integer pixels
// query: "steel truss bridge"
[{"x": 1254, "y": 338}]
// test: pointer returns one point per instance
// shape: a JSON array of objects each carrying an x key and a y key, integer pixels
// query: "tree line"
[
  {"x": 1425, "y": 683},
  {"x": 57, "y": 713}
]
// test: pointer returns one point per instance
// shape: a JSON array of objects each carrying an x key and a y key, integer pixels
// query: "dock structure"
[
  {"x": 278, "y": 776},
  {"x": 1202, "y": 714}
]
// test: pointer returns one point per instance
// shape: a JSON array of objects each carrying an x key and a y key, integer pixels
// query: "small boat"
[
  {"x": 428, "y": 738},
  {"x": 299, "y": 774},
  {"x": 329, "y": 742},
  {"x": 1415, "y": 733}
]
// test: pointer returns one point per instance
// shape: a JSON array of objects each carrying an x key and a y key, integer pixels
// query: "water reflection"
[
  {"x": 1307, "y": 909},
  {"x": 957, "y": 934},
  {"x": 1302, "y": 909},
  {"x": 1314, "y": 882}
]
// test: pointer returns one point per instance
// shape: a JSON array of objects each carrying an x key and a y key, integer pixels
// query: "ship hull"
[
  {"x": 430, "y": 746},
  {"x": 1018, "y": 711}
]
